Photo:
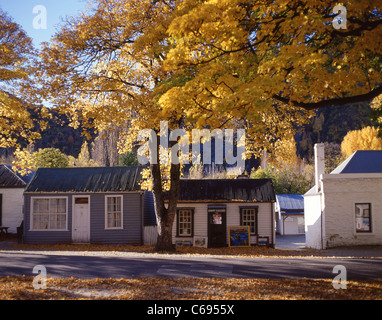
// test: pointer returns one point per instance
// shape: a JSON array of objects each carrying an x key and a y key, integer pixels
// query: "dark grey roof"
[
  {"x": 9, "y": 179},
  {"x": 290, "y": 202},
  {"x": 362, "y": 161},
  {"x": 241, "y": 190},
  {"x": 95, "y": 179}
]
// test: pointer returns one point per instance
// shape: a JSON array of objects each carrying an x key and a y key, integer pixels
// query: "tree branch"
[{"x": 331, "y": 102}]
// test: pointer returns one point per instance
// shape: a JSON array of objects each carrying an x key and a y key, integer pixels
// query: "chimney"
[{"x": 319, "y": 164}]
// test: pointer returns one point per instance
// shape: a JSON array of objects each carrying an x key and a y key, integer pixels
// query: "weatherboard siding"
[
  {"x": 131, "y": 233},
  {"x": 48, "y": 237}
]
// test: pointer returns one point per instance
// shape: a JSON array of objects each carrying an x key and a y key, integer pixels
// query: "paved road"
[{"x": 90, "y": 265}]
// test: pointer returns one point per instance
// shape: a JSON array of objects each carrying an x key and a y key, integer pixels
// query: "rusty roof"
[{"x": 222, "y": 190}]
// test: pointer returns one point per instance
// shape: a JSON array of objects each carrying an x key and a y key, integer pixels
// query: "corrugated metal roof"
[
  {"x": 94, "y": 179},
  {"x": 244, "y": 190},
  {"x": 9, "y": 179},
  {"x": 361, "y": 161},
  {"x": 290, "y": 202},
  {"x": 292, "y": 212}
]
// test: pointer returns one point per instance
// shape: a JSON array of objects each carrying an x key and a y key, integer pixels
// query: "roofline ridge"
[{"x": 14, "y": 173}]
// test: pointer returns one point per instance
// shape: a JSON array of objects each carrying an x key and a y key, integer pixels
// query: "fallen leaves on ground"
[
  {"x": 253, "y": 251},
  {"x": 148, "y": 288}
]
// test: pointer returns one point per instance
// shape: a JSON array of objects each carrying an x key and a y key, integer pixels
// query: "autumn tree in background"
[
  {"x": 258, "y": 65},
  {"x": 376, "y": 115},
  {"x": 289, "y": 173},
  {"x": 28, "y": 160},
  {"x": 285, "y": 154},
  {"x": 84, "y": 158},
  {"x": 16, "y": 59},
  {"x": 364, "y": 139}
]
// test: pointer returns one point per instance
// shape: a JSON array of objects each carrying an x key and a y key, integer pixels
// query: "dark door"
[
  {"x": 1, "y": 209},
  {"x": 217, "y": 228}
]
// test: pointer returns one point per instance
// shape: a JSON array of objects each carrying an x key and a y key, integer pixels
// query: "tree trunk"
[
  {"x": 164, "y": 239},
  {"x": 165, "y": 216}
]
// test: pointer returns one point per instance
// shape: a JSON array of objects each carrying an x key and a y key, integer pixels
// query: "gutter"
[
  {"x": 322, "y": 222},
  {"x": 142, "y": 218},
  {"x": 273, "y": 225}
]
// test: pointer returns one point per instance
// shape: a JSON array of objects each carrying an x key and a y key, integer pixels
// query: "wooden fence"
[{"x": 150, "y": 235}]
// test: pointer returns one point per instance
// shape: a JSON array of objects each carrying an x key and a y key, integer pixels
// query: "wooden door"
[
  {"x": 217, "y": 229},
  {"x": 1, "y": 209}
]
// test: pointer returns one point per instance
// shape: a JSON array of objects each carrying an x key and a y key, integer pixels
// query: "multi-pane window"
[
  {"x": 248, "y": 217},
  {"x": 113, "y": 212},
  {"x": 49, "y": 214},
  {"x": 185, "y": 223},
  {"x": 363, "y": 217}
]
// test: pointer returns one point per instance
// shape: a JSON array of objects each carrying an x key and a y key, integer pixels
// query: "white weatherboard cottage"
[
  {"x": 207, "y": 208},
  {"x": 344, "y": 208}
]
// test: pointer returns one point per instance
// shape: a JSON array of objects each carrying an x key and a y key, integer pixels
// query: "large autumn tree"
[
  {"x": 16, "y": 70},
  {"x": 105, "y": 69},
  {"x": 256, "y": 64}
]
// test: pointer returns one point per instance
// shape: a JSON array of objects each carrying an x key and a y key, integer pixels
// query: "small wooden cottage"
[
  {"x": 102, "y": 205},
  {"x": 208, "y": 208},
  {"x": 12, "y": 187}
]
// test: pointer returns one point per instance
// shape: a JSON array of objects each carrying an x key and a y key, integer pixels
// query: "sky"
[{"x": 32, "y": 15}]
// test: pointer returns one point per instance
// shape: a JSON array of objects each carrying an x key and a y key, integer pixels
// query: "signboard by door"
[
  {"x": 239, "y": 236},
  {"x": 217, "y": 229}
]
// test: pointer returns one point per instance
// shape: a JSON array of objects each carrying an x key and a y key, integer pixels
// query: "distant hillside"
[
  {"x": 57, "y": 135},
  {"x": 60, "y": 135},
  {"x": 331, "y": 124}
]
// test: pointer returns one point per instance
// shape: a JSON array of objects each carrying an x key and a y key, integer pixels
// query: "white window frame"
[
  {"x": 190, "y": 211},
  {"x": 360, "y": 233},
  {"x": 48, "y": 198},
  {"x": 255, "y": 219},
  {"x": 106, "y": 213}
]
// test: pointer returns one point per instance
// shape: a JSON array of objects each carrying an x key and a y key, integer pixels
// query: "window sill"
[
  {"x": 356, "y": 234},
  {"x": 55, "y": 230}
]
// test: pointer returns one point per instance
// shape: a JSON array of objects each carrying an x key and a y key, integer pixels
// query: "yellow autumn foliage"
[
  {"x": 251, "y": 54},
  {"x": 16, "y": 56},
  {"x": 364, "y": 139}
]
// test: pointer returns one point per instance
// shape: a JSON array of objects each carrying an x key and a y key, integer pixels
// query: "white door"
[{"x": 81, "y": 220}]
